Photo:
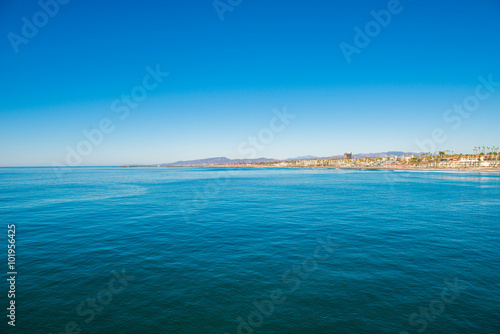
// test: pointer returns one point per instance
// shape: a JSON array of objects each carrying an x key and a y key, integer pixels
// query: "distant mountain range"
[
  {"x": 217, "y": 160},
  {"x": 303, "y": 158},
  {"x": 224, "y": 160},
  {"x": 383, "y": 154}
]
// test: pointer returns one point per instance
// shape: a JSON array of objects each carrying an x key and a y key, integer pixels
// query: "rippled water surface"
[{"x": 201, "y": 250}]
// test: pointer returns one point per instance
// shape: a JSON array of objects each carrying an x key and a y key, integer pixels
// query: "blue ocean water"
[{"x": 209, "y": 250}]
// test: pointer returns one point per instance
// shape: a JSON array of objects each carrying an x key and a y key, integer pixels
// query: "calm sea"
[{"x": 200, "y": 250}]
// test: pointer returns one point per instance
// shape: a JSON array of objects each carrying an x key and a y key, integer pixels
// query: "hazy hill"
[{"x": 217, "y": 160}]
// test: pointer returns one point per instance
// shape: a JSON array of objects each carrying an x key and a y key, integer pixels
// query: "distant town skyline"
[{"x": 168, "y": 81}]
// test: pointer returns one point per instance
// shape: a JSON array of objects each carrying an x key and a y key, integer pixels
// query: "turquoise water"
[{"x": 195, "y": 250}]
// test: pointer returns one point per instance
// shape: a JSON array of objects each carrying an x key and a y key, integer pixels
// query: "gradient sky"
[{"x": 226, "y": 78}]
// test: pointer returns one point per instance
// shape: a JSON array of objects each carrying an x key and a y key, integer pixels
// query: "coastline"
[
  {"x": 477, "y": 169},
  {"x": 425, "y": 169}
]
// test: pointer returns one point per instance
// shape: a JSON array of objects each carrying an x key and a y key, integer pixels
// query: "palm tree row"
[{"x": 486, "y": 150}]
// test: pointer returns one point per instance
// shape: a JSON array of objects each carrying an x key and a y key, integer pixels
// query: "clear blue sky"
[{"x": 226, "y": 77}]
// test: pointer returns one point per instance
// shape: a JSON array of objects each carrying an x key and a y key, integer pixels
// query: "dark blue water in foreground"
[{"x": 194, "y": 250}]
